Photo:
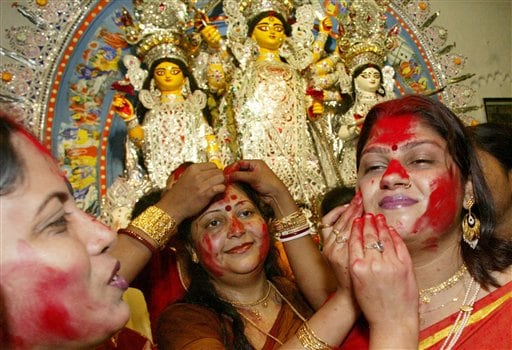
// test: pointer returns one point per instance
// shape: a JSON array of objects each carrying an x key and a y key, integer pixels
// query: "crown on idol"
[
  {"x": 251, "y": 8},
  {"x": 366, "y": 39},
  {"x": 158, "y": 31}
]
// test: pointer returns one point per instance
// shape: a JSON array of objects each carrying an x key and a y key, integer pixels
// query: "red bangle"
[{"x": 138, "y": 237}]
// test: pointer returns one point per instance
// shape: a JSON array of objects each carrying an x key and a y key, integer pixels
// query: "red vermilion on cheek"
[
  {"x": 42, "y": 303},
  {"x": 208, "y": 256},
  {"x": 442, "y": 206},
  {"x": 393, "y": 130},
  {"x": 395, "y": 167},
  {"x": 265, "y": 242}
]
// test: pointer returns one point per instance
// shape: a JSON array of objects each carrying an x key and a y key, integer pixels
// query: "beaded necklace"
[{"x": 462, "y": 317}]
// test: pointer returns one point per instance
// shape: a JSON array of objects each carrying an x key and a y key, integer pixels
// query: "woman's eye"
[
  {"x": 213, "y": 224},
  {"x": 246, "y": 213},
  {"x": 374, "y": 167},
  {"x": 60, "y": 225}
]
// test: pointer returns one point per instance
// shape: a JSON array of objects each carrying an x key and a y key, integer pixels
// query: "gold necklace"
[
  {"x": 258, "y": 328},
  {"x": 249, "y": 306},
  {"x": 427, "y": 293}
]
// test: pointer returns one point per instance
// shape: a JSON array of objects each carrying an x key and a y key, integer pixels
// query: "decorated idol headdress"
[
  {"x": 366, "y": 39},
  {"x": 158, "y": 31},
  {"x": 296, "y": 49},
  {"x": 252, "y": 8}
]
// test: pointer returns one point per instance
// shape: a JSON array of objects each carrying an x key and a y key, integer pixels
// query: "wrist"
[{"x": 156, "y": 224}]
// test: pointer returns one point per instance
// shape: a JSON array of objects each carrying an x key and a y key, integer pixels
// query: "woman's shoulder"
[{"x": 184, "y": 323}]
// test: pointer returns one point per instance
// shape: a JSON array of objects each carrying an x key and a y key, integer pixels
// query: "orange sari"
[{"x": 489, "y": 327}]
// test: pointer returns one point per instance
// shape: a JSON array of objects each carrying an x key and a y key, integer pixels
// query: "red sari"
[{"x": 489, "y": 327}]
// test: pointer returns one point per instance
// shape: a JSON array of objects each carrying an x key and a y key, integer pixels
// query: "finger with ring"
[
  {"x": 321, "y": 226},
  {"x": 375, "y": 245},
  {"x": 341, "y": 239}
]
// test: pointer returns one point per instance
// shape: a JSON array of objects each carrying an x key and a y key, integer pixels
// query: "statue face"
[
  {"x": 269, "y": 33},
  {"x": 368, "y": 80},
  {"x": 168, "y": 77}
]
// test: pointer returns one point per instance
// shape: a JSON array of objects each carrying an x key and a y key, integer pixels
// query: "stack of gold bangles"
[
  {"x": 290, "y": 227},
  {"x": 309, "y": 340}
]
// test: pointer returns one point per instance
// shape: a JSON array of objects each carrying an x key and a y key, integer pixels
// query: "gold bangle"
[
  {"x": 294, "y": 220},
  {"x": 157, "y": 224},
  {"x": 309, "y": 340}
]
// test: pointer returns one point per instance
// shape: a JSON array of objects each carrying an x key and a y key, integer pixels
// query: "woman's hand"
[
  {"x": 262, "y": 179},
  {"x": 384, "y": 283},
  {"x": 335, "y": 229},
  {"x": 192, "y": 191}
]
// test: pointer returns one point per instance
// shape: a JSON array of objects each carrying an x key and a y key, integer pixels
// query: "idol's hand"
[{"x": 212, "y": 36}]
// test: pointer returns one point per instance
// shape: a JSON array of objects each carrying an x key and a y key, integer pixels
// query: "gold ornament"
[{"x": 471, "y": 226}]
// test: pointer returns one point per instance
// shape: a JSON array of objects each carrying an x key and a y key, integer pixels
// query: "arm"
[
  {"x": 313, "y": 275},
  {"x": 185, "y": 198}
]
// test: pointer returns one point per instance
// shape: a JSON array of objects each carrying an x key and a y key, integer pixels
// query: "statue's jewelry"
[{"x": 427, "y": 293}]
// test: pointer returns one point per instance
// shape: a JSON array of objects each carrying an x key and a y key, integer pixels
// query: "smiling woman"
[
  {"x": 59, "y": 283},
  {"x": 418, "y": 167}
]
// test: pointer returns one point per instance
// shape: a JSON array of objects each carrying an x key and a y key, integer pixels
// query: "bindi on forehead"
[{"x": 228, "y": 208}]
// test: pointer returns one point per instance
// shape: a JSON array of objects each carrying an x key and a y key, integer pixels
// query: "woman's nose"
[
  {"x": 97, "y": 237},
  {"x": 236, "y": 228},
  {"x": 395, "y": 176}
]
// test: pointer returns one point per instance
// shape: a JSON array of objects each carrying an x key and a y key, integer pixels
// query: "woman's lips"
[
  {"x": 116, "y": 280},
  {"x": 396, "y": 202},
  {"x": 242, "y": 248}
]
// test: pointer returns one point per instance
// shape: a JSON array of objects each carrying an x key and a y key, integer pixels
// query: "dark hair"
[
  {"x": 495, "y": 139},
  {"x": 336, "y": 197},
  {"x": 201, "y": 290},
  {"x": 491, "y": 253},
  {"x": 11, "y": 163},
  {"x": 251, "y": 24}
]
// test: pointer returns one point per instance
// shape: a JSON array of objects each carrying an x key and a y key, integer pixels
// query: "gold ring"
[{"x": 321, "y": 226}]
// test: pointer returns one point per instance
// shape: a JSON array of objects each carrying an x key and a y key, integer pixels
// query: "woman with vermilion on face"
[
  {"x": 60, "y": 286},
  {"x": 418, "y": 168}
]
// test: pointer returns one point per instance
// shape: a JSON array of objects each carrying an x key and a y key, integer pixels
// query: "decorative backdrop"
[{"x": 60, "y": 64}]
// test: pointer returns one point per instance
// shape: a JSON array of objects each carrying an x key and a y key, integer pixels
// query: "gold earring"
[
  {"x": 194, "y": 257},
  {"x": 470, "y": 226}
]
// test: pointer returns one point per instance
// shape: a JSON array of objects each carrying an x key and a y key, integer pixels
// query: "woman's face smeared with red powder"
[
  {"x": 231, "y": 236},
  {"x": 59, "y": 283},
  {"x": 402, "y": 151}
]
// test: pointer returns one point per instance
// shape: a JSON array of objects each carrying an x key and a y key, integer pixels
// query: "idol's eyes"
[{"x": 266, "y": 27}]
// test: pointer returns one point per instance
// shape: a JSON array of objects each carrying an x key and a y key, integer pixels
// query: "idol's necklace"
[
  {"x": 427, "y": 293},
  {"x": 249, "y": 306}
]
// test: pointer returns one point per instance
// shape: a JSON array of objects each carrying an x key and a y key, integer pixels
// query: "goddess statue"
[
  {"x": 169, "y": 125},
  {"x": 264, "y": 112},
  {"x": 360, "y": 79}
]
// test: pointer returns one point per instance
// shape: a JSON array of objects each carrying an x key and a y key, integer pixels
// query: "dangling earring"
[
  {"x": 470, "y": 226},
  {"x": 194, "y": 257}
]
